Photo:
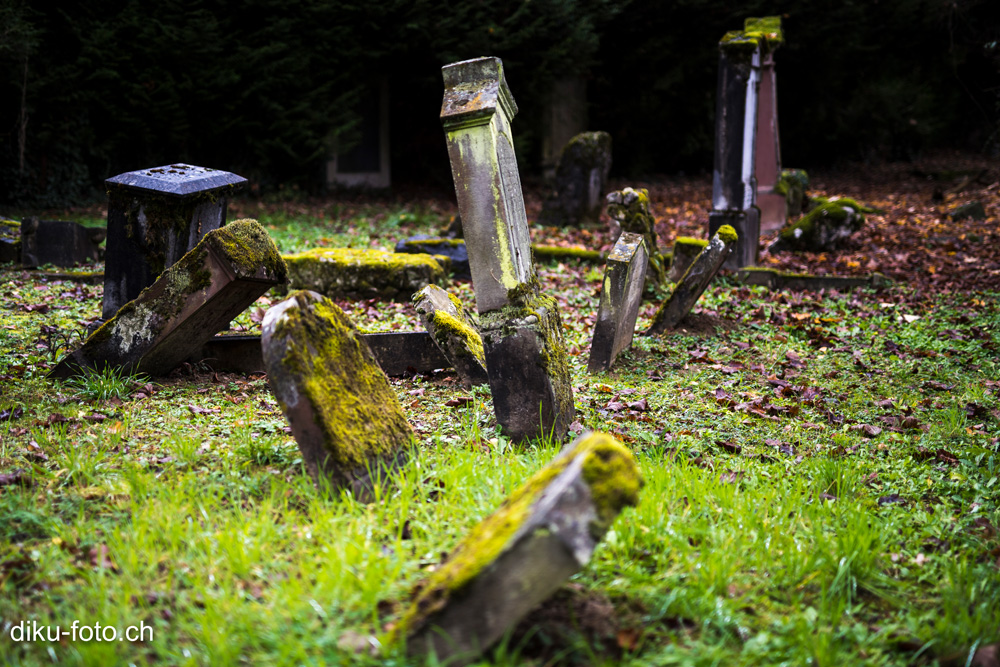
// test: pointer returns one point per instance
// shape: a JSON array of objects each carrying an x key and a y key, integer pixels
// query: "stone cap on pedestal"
[
  {"x": 767, "y": 29},
  {"x": 473, "y": 89},
  {"x": 177, "y": 180}
]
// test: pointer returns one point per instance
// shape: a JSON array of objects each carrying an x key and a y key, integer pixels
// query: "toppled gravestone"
[
  {"x": 10, "y": 240},
  {"x": 352, "y": 273},
  {"x": 580, "y": 180},
  {"x": 518, "y": 556},
  {"x": 686, "y": 248},
  {"x": 454, "y": 332},
  {"x": 621, "y": 296},
  {"x": 453, "y": 249},
  {"x": 630, "y": 208},
  {"x": 823, "y": 228},
  {"x": 974, "y": 210},
  {"x": 692, "y": 285},
  {"x": 155, "y": 216},
  {"x": 526, "y": 357},
  {"x": 345, "y": 417},
  {"x": 59, "y": 242},
  {"x": 192, "y": 300}
]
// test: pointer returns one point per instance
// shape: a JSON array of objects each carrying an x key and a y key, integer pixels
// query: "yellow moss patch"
[
  {"x": 448, "y": 326},
  {"x": 727, "y": 234}
]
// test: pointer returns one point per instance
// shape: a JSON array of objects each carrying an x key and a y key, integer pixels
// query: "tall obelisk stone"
[{"x": 522, "y": 335}]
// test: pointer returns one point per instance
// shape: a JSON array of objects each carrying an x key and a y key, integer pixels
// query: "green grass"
[{"x": 773, "y": 527}]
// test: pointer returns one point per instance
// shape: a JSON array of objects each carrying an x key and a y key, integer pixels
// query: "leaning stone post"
[
  {"x": 154, "y": 217},
  {"x": 621, "y": 296},
  {"x": 521, "y": 331},
  {"x": 734, "y": 186}
]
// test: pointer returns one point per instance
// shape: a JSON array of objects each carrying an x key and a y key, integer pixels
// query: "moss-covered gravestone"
[
  {"x": 693, "y": 283},
  {"x": 188, "y": 304},
  {"x": 686, "y": 248},
  {"x": 580, "y": 180},
  {"x": 155, "y": 216},
  {"x": 621, "y": 296},
  {"x": 792, "y": 186},
  {"x": 454, "y": 332},
  {"x": 630, "y": 208},
  {"x": 453, "y": 249},
  {"x": 518, "y": 556},
  {"x": 353, "y": 273},
  {"x": 521, "y": 331},
  {"x": 10, "y": 240},
  {"x": 823, "y": 228},
  {"x": 345, "y": 417}
]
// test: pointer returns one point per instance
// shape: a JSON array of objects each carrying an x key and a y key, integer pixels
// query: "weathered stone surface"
[
  {"x": 685, "y": 250},
  {"x": 454, "y": 332},
  {"x": 767, "y": 166},
  {"x": 630, "y": 208},
  {"x": 59, "y": 242},
  {"x": 155, "y": 216},
  {"x": 345, "y": 417},
  {"x": 793, "y": 184},
  {"x": 191, "y": 301},
  {"x": 621, "y": 296},
  {"x": 974, "y": 210},
  {"x": 580, "y": 180},
  {"x": 692, "y": 285},
  {"x": 522, "y": 553},
  {"x": 10, "y": 240},
  {"x": 528, "y": 369},
  {"x": 753, "y": 275},
  {"x": 824, "y": 228},
  {"x": 476, "y": 114},
  {"x": 454, "y": 249},
  {"x": 352, "y": 273}
]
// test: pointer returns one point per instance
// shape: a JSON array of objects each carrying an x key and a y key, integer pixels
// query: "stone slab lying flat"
[
  {"x": 350, "y": 273},
  {"x": 191, "y": 301},
  {"x": 772, "y": 279},
  {"x": 692, "y": 285},
  {"x": 344, "y": 415},
  {"x": 454, "y": 332},
  {"x": 518, "y": 556},
  {"x": 621, "y": 296}
]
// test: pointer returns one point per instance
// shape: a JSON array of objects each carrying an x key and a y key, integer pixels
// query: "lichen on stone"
[
  {"x": 447, "y": 326},
  {"x": 630, "y": 208},
  {"x": 727, "y": 234},
  {"x": 362, "y": 273},
  {"x": 767, "y": 29}
]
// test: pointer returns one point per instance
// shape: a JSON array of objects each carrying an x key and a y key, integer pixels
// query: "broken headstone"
[
  {"x": 694, "y": 282},
  {"x": 354, "y": 273},
  {"x": 59, "y": 242},
  {"x": 621, "y": 296},
  {"x": 522, "y": 335},
  {"x": 155, "y": 216},
  {"x": 10, "y": 240},
  {"x": 580, "y": 180},
  {"x": 344, "y": 415},
  {"x": 195, "y": 298},
  {"x": 454, "y": 332},
  {"x": 630, "y": 209},
  {"x": 825, "y": 227},
  {"x": 454, "y": 249},
  {"x": 521, "y": 554},
  {"x": 686, "y": 248},
  {"x": 974, "y": 210}
]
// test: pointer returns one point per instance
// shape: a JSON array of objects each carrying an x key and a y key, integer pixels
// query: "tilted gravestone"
[
  {"x": 734, "y": 185},
  {"x": 59, "y": 242},
  {"x": 621, "y": 296},
  {"x": 454, "y": 332},
  {"x": 10, "y": 240},
  {"x": 685, "y": 250},
  {"x": 191, "y": 301},
  {"x": 520, "y": 327},
  {"x": 521, "y": 554},
  {"x": 344, "y": 415},
  {"x": 154, "y": 217},
  {"x": 630, "y": 208},
  {"x": 580, "y": 180},
  {"x": 692, "y": 285},
  {"x": 767, "y": 159}
]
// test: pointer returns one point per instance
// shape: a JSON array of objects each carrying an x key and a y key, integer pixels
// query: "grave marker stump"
[
  {"x": 59, "y": 242},
  {"x": 630, "y": 208},
  {"x": 522, "y": 335},
  {"x": 518, "y": 556},
  {"x": 580, "y": 180},
  {"x": 621, "y": 296},
  {"x": 344, "y": 415},
  {"x": 454, "y": 332},
  {"x": 155, "y": 216}
]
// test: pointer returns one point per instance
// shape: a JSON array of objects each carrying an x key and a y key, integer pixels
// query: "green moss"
[
  {"x": 557, "y": 252},
  {"x": 630, "y": 207},
  {"x": 448, "y": 326},
  {"x": 610, "y": 472},
  {"x": 362, "y": 273},
  {"x": 767, "y": 29},
  {"x": 727, "y": 234},
  {"x": 690, "y": 241},
  {"x": 10, "y": 228},
  {"x": 432, "y": 242},
  {"x": 739, "y": 44},
  {"x": 248, "y": 248}
]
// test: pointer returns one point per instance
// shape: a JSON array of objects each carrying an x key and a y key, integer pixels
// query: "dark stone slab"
[
  {"x": 344, "y": 415},
  {"x": 795, "y": 281},
  {"x": 155, "y": 216},
  {"x": 10, "y": 240},
  {"x": 362, "y": 273},
  {"x": 454, "y": 249},
  {"x": 621, "y": 296},
  {"x": 84, "y": 277},
  {"x": 580, "y": 180},
  {"x": 197, "y": 297},
  {"x": 974, "y": 210},
  {"x": 630, "y": 209},
  {"x": 685, "y": 250},
  {"x": 747, "y": 226},
  {"x": 59, "y": 242}
]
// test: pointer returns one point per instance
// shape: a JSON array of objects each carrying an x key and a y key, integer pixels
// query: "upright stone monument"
[
  {"x": 155, "y": 216},
  {"x": 767, "y": 164},
  {"x": 59, "y": 242},
  {"x": 621, "y": 296},
  {"x": 522, "y": 334},
  {"x": 734, "y": 185},
  {"x": 580, "y": 180}
]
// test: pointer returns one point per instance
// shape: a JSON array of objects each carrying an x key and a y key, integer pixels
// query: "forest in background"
[{"x": 266, "y": 88}]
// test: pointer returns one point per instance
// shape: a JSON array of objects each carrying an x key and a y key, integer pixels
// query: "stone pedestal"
[{"x": 155, "y": 216}]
